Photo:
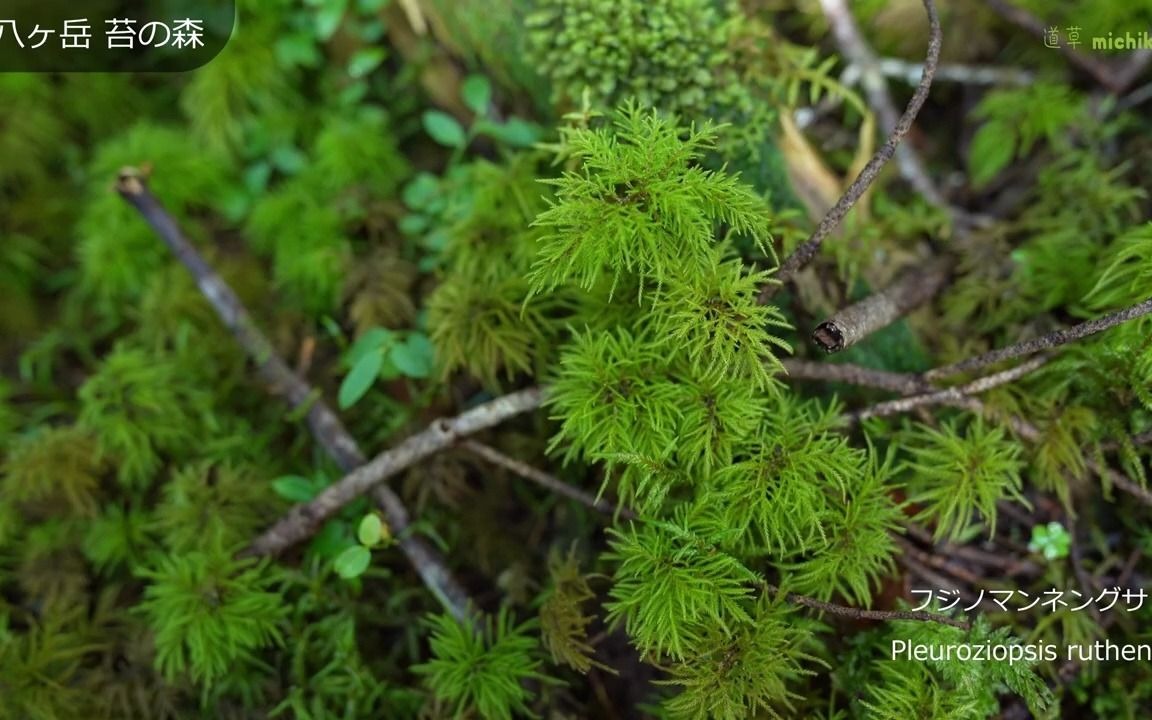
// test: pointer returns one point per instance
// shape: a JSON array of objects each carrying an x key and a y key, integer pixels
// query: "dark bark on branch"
[
  {"x": 902, "y": 383},
  {"x": 948, "y": 395},
  {"x": 305, "y": 519},
  {"x": 1051, "y": 340},
  {"x": 325, "y": 426},
  {"x": 912, "y": 288},
  {"x": 804, "y": 254},
  {"x": 861, "y": 614},
  {"x": 545, "y": 480},
  {"x": 856, "y": 50}
]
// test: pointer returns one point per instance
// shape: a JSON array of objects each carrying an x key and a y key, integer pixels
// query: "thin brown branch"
[
  {"x": 1009, "y": 565},
  {"x": 950, "y": 395},
  {"x": 1137, "y": 63},
  {"x": 933, "y": 578},
  {"x": 544, "y": 480},
  {"x": 862, "y": 614},
  {"x": 912, "y": 288},
  {"x": 1115, "y": 79},
  {"x": 903, "y": 383},
  {"x": 857, "y": 51},
  {"x": 1138, "y": 96},
  {"x": 325, "y": 426},
  {"x": 804, "y": 254},
  {"x": 1051, "y": 340},
  {"x": 305, "y": 519},
  {"x": 940, "y": 563}
]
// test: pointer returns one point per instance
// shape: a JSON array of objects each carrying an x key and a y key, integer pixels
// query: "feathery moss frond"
[
  {"x": 745, "y": 672},
  {"x": 637, "y": 205},
  {"x": 615, "y": 394},
  {"x": 643, "y": 481},
  {"x": 209, "y": 505},
  {"x": 906, "y": 689},
  {"x": 715, "y": 320},
  {"x": 119, "y": 537},
  {"x": 777, "y": 495},
  {"x": 42, "y": 666},
  {"x": 976, "y": 684},
  {"x": 481, "y": 670},
  {"x": 305, "y": 235},
  {"x": 210, "y": 612},
  {"x": 138, "y": 407},
  {"x": 953, "y": 472},
  {"x": 356, "y": 155},
  {"x": 563, "y": 624},
  {"x": 1127, "y": 271},
  {"x": 672, "y": 584},
  {"x": 487, "y": 328},
  {"x": 55, "y": 471},
  {"x": 51, "y": 568},
  {"x": 859, "y": 549}
]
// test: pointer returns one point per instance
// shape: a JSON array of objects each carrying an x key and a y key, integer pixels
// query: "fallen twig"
[
  {"x": 856, "y": 49},
  {"x": 948, "y": 395},
  {"x": 807, "y": 250},
  {"x": 861, "y": 614},
  {"x": 545, "y": 480},
  {"x": 903, "y": 383},
  {"x": 910, "y": 73},
  {"x": 326, "y": 427},
  {"x": 912, "y": 288},
  {"x": 304, "y": 519},
  {"x": 1051, "y": 340}
]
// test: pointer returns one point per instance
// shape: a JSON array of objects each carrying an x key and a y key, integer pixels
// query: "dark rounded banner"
[{"x": 112, "y": 35}]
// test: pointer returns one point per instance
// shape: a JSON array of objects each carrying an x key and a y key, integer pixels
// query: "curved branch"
[
  {"x": 915, "y": 286},
  {"x": 804, "y": 254},
  {"x": 1051, "y": 340},
  {"x": 862, "y": 614},
  {"x": 325, "y": 425},
  {"x": 305, "y": 519}
]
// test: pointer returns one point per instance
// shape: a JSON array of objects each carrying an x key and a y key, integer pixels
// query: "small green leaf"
[
  {"x": 370, "y": 341},
  {"x": 444, "y": 129},
  {"x": 353, "y": 562},
  {"x": 415, "y": 356},
  {"x": 516, "y": 133},
  {"x": 295, "y": 488},
  {"x": 256, "y": 177},
  {"x": 477, "y": 94},
  {"x": 420, "y": 193},
  {"x": 365, "y": 61},
  {"x": 328, "y": 18},
  {"x": 357, "y": 382},
  {"x": 370, "y": 531},
  {"x": 1052, "y": 540}
]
